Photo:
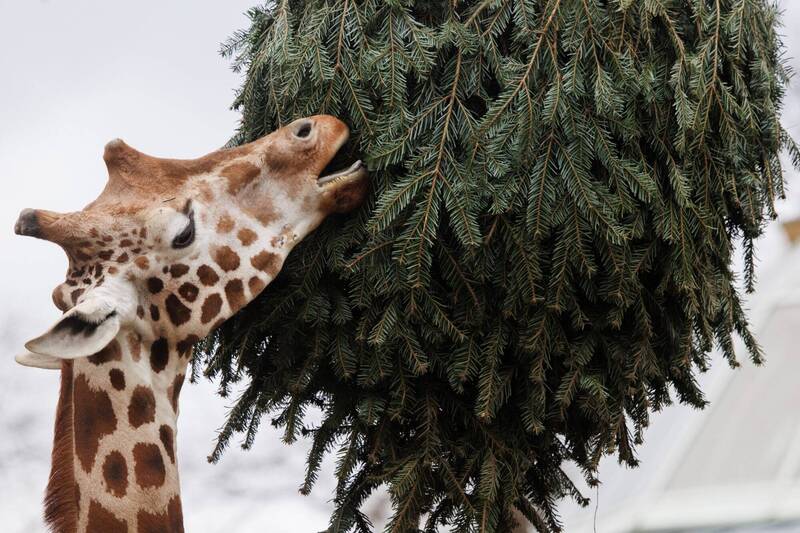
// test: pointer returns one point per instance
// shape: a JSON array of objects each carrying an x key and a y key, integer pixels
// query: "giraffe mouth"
[
  {"x": 354, "y": 171},
  {"x": 336, "y": 171}
]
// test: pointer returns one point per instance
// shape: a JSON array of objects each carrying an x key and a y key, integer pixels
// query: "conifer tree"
[{"x": 545, "y": 256}]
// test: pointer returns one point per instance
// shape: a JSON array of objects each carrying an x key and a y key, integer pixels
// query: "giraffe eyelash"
[{"x": 185, "y": 237}]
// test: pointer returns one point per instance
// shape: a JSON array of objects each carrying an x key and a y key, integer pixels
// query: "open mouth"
[
  {"x": 352, "y": 170},
  {"x": 336, "y": 170}
]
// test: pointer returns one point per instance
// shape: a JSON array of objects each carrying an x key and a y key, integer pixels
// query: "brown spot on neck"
[
  {"x": 167, "y": 437},
  {"x": 115, "y": 474},
  {"x": 185, "y": 346},
  {"x": 148, "y": 465},
  {"x": 159, "y": 354},
  {"x": 178, "y": 313},
  {"x": 93, "y": 419},
  {"x": 174, "y": 391},
  {"x": 142, "y": 409},
  {"x": 117, "y": 378},
  {"x": 102, "y": 520},
  {"x": 210, "y": 308}
]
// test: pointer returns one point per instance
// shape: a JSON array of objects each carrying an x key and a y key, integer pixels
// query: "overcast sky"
[{"x": 76, "y": 74}]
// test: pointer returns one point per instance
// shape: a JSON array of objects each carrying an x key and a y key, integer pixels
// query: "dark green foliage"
[{"x": 546, "y": 252}]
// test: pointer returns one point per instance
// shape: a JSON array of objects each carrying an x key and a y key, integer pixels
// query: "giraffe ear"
[
  {"x": 83, "y": 330},
  {"x": 38, "y": 360}
]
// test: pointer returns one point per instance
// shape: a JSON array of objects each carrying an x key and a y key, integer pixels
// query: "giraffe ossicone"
[{"x": 167, "y": 252}]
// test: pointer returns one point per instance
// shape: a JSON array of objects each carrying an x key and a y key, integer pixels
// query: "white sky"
[{"x": 76, "y": 74}]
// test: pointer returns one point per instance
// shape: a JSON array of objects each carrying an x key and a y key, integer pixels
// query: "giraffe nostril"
[
  {"x": 28, "y": 224},
  {"x": 303, "y": 129}
]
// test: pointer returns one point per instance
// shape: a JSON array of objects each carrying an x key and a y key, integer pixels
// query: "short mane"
[{"x": 61, "y": 499}]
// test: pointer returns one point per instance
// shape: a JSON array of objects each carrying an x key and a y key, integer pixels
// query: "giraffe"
[{"x": 167, "y": 252}]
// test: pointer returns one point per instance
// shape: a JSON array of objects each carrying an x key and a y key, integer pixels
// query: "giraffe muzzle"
[{"x": 28, "y": 224}]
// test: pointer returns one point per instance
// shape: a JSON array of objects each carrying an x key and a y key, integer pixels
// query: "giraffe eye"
[{"x": 185, "y": 237}]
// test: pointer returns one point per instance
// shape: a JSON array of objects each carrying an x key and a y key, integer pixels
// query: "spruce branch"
[{"x": 545, "y": 256}]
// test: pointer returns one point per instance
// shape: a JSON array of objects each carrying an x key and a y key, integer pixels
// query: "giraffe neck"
[{"x": 114, "y": 465}]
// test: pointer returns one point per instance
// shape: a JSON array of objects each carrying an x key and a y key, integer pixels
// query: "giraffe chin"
[{"x": 346, "y": 190}]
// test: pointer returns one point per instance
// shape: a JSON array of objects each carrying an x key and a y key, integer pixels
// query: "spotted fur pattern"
[{"x": 114, "y": 458}]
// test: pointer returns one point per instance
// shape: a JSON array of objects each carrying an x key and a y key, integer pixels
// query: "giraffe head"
[{"x": 172, "y": 248}]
